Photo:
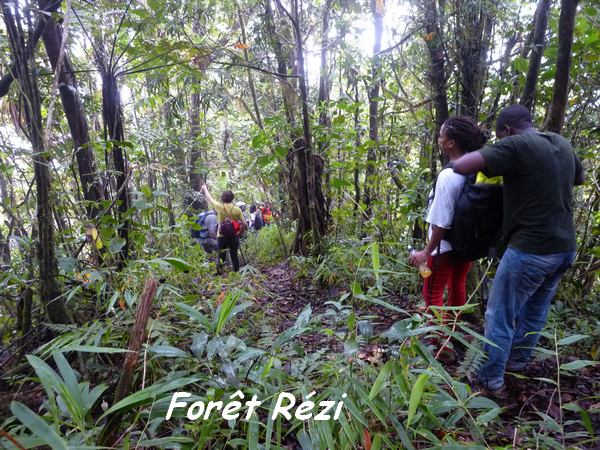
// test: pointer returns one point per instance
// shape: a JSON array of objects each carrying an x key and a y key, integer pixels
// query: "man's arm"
[{"x": 470, "y": 163}]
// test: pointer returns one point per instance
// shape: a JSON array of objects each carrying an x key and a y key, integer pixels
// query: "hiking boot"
[
  {"x": 516, "y": 366},
  {"x": 497, "y": 392}
]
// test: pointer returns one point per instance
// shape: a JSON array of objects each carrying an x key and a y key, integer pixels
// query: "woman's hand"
[{"x": 418, "y": 258}]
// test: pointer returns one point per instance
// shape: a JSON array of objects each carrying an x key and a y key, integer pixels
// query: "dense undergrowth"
[{"x": 214, "y": 337}]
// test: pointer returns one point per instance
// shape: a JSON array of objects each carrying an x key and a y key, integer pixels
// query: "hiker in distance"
[
  {"x": 458, "y": 135},
  {"x": 256, "y": 220},
  {"x": 539, "y": 171},
  {"x": 231, "y": 226},
  {"x": 206, "y": 236}
]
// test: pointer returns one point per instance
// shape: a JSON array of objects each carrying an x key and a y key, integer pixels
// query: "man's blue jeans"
[{"x": 517, "y": 309}]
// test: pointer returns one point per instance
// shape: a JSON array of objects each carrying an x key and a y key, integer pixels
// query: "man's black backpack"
[
  {"x": 477, "y": 223},
  {"x": 258, "y": 220},
  {"x": 199, "y": 229}
]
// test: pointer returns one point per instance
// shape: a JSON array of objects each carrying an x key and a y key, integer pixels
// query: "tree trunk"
[
  {"x": 92, "y": 190},
  {"x": 309, "y": 182},
  {"x": 13, "y": 74},
  {"x": 473, "y": 44},
  {"x": 301, "y": 173},
  {"x": 287, "y": 89},
  {"x": 324, "y": 91},
  {"x": 357, "y": 143},
  {"x": 113, "y": 128},
  {"x": 566, "y": 24},
  {"x": 535, "y": 59},
  {"x": 5, "y": 256},
  {"x": 377, "y": 8},
  {"x": 196, "y": 164},
  {"x": 504, "y": 65},
  {"x": 436, "y": 73},
  {"x": 51, "y": 31},
  {"x": 167, "y": 185},
  {"x": 49, "y": 289},
  {"x": 257, "y": 115}
]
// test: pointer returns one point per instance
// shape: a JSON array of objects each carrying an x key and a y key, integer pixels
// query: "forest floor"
[{"x": 528, "y": 397}]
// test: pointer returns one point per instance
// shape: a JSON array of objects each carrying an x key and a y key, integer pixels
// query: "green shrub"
[{"x": 268, "y": 246}]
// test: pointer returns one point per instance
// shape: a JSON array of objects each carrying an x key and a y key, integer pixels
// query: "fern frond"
[{"x": 472, "y": 361}]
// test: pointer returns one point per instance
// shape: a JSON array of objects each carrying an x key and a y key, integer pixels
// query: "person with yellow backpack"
[{"x": 231, "y": 225}]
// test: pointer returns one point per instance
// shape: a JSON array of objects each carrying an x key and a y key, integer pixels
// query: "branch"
[
  {"x": 7, "y": 79},
  {"x": 260, "y": 69},
  {"x": 402, "y": 41},
  {"x": 112, "y": 49},
  {"x": 58, "y": 68}
]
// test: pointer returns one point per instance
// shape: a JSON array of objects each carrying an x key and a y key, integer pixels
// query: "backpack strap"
[
  {"x": 228, "y": 214},
  {"x": 450, "y": 165}
]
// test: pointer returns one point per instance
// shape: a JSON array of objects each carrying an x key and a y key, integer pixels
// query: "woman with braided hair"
[{"x": 458, "y": 135}]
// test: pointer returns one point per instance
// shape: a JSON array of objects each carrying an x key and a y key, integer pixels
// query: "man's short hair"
[
  {"x": 515, "y": 116},
  {"x": 227, "y": 197}
]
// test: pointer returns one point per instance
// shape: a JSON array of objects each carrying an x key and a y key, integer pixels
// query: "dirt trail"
[{"x": 287, "y": 295}]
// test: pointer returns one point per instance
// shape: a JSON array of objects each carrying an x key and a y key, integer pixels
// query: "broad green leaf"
[
  {"x": 167, "y": 351},
  {"x": 382, "y": 377},
  {"x": 165, "y": 442},
  {"x": 253, "y": 433},
  {"x": 579, "y": 364},
  {"x": 371, "y": 299},
  {"x": 177, "y": 263},
  {"x": 376, "y": 444},
  {"x": 351, "y": 406},
  {"x": 571, "y": 339},
  {"x": 199, "y": 344},
  {"x": 481, "y": 403},
  {"x": 416, "y": 395},
  {"x": 92, "y": 349},
  {"x": 48, "y": 377},
  {"x": 38, "y": 426},
  {"x": 148, "y": 394},
  {"x": 406, "y": 441},
  {"x": 490, "y": 415},
  {"x": 520, "y": 64},
  {"x": 116, "y": 244},
  {"x": 195, "y": 314}
]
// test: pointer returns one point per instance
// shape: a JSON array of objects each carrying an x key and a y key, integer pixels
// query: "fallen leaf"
[
  {"x": 367, "y": 439},
  {"x": 220, "y": 298}
]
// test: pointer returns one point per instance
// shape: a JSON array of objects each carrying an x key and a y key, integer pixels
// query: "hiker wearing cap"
[
  {"x": 231, "y": 225},
  {"x": 539, "y": 170},
  {"x": 244, "y": 210}
]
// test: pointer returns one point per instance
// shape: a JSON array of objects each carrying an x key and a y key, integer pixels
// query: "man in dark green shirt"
[{"x": 539, "y": 171}]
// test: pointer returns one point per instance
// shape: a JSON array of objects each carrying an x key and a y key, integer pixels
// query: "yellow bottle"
[{"x": 424, "y": 270}]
